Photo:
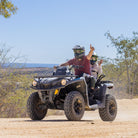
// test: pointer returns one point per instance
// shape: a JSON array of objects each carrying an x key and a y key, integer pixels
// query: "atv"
[{"x": 65, "y": 91}]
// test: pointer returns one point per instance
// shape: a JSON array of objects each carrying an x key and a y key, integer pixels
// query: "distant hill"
[
  {"x": 27, "y": 68},
  {"x": 28, "y": 65}
]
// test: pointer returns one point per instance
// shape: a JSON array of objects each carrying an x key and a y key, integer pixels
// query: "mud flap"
[{"x": 102, "y": 94}]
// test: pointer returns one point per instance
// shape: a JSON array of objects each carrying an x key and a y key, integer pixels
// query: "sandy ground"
[{"x": 91, "y": 126}]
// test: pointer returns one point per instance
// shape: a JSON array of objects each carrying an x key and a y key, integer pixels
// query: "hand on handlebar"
[{"x": 55, "y": 67}]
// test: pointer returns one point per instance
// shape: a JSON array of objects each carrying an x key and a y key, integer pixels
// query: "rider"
[{"x": 80, "y": 60}]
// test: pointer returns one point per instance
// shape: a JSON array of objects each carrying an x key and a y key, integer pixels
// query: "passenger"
[{"x": 95, "y": 68}]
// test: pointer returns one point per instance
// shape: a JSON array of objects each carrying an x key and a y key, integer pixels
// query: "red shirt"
[{"x": 84, "y": 62}]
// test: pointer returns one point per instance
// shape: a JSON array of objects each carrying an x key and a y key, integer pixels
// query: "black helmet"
[
  {"x": 94, "y": 58},
  {"x": 79, "y": 51}
]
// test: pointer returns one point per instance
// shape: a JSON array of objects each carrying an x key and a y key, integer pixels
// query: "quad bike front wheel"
[
  {"x": 35, "y": 108},
  {"x": 109, "y": 112},
  {"x": 74, "y": 106}
]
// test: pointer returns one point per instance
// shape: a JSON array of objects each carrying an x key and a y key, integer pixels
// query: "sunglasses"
[
  {"x": 78, "y": 51},
  {"x": 94, "y": 58}
]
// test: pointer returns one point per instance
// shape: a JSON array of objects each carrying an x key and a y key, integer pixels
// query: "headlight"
[
  {"x": 63, "y": 82},
  {"x": 34, "y": 83}
]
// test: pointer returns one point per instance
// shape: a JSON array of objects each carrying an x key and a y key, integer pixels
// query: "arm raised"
[{"x": 91, "y": 52}]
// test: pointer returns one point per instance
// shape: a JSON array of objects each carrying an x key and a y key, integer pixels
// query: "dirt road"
[{"x": 125, "y": 125}]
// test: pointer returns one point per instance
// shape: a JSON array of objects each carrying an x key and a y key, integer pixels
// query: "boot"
[
  {"x": 93, "y": 91},
  {"x": 91, "y": 95}
]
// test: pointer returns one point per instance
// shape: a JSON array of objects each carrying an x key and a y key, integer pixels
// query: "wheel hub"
[{"x": 78, "y": 106}]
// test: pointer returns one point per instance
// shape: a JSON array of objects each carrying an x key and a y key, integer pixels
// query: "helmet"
[
  {"x": 79, "y": 51},
  {"x": 94, "y": 58}
]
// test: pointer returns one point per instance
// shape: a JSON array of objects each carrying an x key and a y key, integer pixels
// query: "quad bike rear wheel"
[
  {"x": 74, "y": 106},
  {"x": 109, "y": 112},
  {"x": 35, "y": 108}
]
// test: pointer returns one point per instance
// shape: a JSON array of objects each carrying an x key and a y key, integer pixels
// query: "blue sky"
[{"x": 46, "y": 31}]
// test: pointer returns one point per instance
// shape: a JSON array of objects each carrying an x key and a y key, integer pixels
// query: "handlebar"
[{"x": 100, "y": 78}]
